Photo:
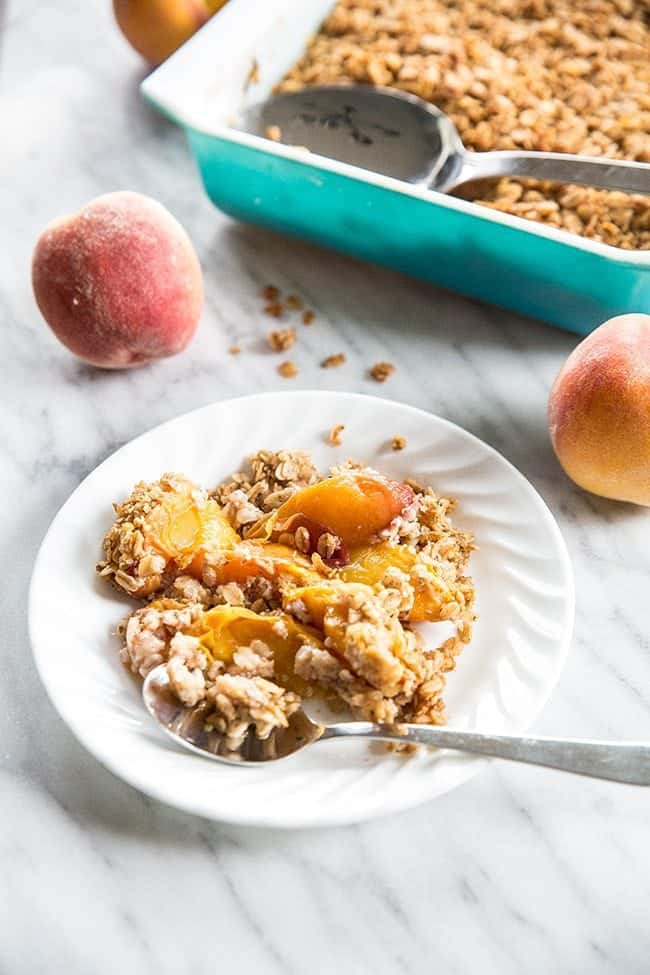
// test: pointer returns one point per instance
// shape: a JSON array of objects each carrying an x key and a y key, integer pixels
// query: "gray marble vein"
[{"x": 519, "y": 870}]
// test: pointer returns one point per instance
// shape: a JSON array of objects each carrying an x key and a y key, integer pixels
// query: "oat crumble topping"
[
  {"x": 398, "y": 443},
  {"x": 270, "y": 479},
  {"x": 334, "y": 436}
]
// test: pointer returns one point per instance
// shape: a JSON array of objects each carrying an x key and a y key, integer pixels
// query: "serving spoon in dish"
[
  {"x": 398, "y": 134},
  {"x": 617, "y": 761}
]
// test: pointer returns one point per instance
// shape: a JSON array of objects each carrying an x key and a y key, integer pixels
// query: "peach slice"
[
  {"x": 352, "y": 507},
  {"x": 370, "y": 564},
  {"x": 314, "y": 601},
  {"x": 225, "y": 628},
  {"x": 278, "y": 563},
  {"x": 164, "y": 527},
  {"x": 187, "y": 533}
]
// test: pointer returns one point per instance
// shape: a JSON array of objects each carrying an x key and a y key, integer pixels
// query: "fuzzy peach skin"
[
  {"x": 119, "y": 282},
  {"x": 599, "y": 411},
  {"x": 155, "y": 28}
]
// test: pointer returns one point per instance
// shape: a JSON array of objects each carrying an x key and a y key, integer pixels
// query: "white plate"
[{"x": 522, "y": 573}]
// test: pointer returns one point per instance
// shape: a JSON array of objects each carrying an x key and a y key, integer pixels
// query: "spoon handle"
[
  {"x": 618, "y": 761},
  {"x": 608, "y": 174}
]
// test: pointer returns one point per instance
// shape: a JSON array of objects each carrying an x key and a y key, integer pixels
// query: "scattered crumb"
[
  {"x": 253, "y": 75},
  {"x": 332, "y": 361},
  {"x": 274, "y": 133},
  {"x": 234, "y": 350},
  {"x": 381, "y": 371},
  {"x": 288, "y": 369},
  {"x": 276, "y": 305},
  {"x": 398, "y": 443},
  {"x": 335, "y": 434},
  {"x": 274, "y": 309},
  {"x": 281, "y": 339}
]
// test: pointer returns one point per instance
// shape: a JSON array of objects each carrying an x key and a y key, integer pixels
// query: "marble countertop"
[{"x": 518, "y": 870}]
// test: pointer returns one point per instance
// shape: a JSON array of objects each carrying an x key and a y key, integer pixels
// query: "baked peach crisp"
[{"x": 281, "y": 584}]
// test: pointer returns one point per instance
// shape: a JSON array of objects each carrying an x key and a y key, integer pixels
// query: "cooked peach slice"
[
  {"x": 224, "y": 630},
  {"x": 311, "y": 602},
  {"x": 278, "y": 563},
  {"x": 371, "y": 564},
  {"x": 163, "y": 528},
  {"x": 185, "y": 531},
  {"x": 352, "y": 507}
]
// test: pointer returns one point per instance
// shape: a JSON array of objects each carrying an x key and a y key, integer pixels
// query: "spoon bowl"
[
  {"x": 187, "y": 728},
  {"x": 396, "y": 134}
]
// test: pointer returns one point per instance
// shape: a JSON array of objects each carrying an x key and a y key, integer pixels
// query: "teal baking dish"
[{"x": 237, "y": 58}]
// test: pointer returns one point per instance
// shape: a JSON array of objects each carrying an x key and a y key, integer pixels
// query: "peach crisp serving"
[{"x": 281, "y": 585}]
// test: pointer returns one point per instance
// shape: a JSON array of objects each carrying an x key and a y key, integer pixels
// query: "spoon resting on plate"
[
  {"x": 398, "y": 134},
  {"x": 617, "y": 761}
]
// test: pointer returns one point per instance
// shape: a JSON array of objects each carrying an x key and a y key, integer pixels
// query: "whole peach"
[
  {"x": 119, "y": 282},
  {"x": 599, "y": 411},
  {"x": 155, "y": 28}
]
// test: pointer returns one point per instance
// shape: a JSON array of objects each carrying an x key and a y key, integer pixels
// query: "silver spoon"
[
  {"x": 618, "y": 761},
  {"x": 398, "y": 134}
]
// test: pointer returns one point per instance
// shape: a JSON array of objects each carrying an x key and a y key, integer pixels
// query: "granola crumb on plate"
[{"x": 334, "y": 436}]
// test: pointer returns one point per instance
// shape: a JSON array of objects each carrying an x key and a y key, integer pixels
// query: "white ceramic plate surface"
[{"x": 522, "y": 575}]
